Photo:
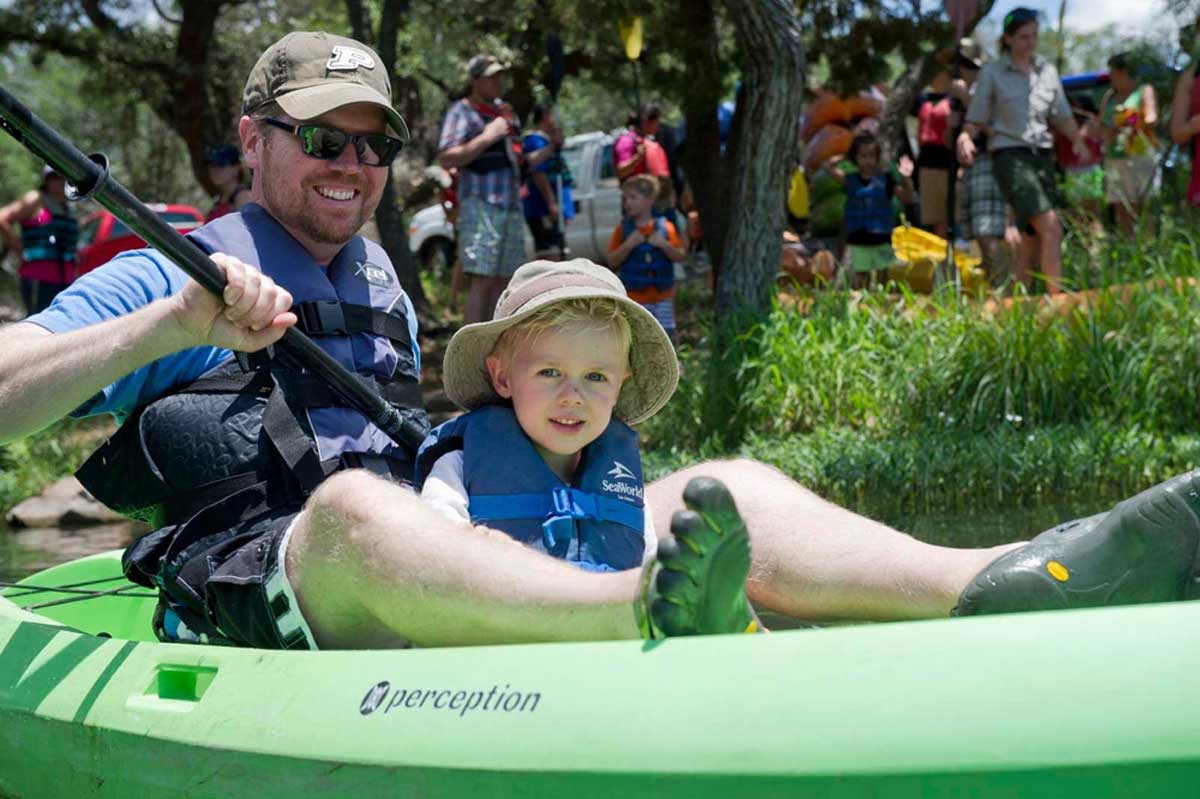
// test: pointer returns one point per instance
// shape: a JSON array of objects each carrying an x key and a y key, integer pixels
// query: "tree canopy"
[{"x": 154, "y": 82}]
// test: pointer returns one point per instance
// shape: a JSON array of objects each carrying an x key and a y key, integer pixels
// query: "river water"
[{"x": 23, "y": 552}]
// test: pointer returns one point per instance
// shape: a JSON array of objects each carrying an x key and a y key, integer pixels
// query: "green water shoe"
[
  {"x": 697, "y": 586},
  {"x": 1144, "y": 550}
]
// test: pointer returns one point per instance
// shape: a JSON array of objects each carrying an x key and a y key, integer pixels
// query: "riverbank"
[
  {"x": 936, "y": 403},
  {"x": 911, "y": 405}
]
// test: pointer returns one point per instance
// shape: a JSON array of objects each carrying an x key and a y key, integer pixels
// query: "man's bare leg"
[
  {"x": 480, "y": 303},
  {"x": 815, "y": 560},
  {"x": 372, "y": 566},
  {"x": 1050, "y": 237},
  {"x": 496, "y": 286},
  {"x": 1026, "y": 259}
]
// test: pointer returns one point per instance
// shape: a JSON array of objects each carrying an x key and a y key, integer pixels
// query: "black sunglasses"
[{"x": 318, "y": 141}]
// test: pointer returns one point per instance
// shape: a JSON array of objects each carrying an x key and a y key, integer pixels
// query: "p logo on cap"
[{"x": 344, "y": 57}]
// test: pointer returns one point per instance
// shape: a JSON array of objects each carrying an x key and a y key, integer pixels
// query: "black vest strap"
[
  {"x": 180, "y": 507},
  {"x": 293, "y": 444},
  {"x": 308, "y": 391},
  {"x": 340, "y": 318}
]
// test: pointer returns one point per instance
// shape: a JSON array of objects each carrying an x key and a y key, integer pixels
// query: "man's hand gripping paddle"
[{"x": 88, "y": 177}]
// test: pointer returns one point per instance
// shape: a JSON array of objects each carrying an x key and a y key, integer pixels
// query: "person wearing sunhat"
[
  {"x": 1019, "y": 98},
  {"x": 226, "y": 173},
  {"x": 45, "y": 243},
  {"x": 546, "y": 452},
  {"x": 353, "y": 559},
  {"x": 564, "y": 368}
]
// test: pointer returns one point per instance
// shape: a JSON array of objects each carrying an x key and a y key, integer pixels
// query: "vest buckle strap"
[
  {"x": 557, "y": 534},
  {"x": 561, "y": 497},
  {"x": 331, "y": 317},
  {"x": 317, "y": 318},
  {"x": 574, "y": 503}
]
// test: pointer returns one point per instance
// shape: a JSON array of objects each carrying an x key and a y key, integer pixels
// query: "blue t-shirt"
[
  {"x": 128, "y": 282},
  {"x": 534, "y": 202}
]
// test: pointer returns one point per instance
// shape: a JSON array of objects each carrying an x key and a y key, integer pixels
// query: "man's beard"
[
  {"x": 314, "y": 227},
  {"x": 307, "y": 221}
]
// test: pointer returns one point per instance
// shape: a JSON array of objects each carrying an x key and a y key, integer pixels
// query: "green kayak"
[{"x": 1081, "y": 703}]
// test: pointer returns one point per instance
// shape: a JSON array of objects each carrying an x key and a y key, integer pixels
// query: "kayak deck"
[
  {"x": 126, "y": 615},
  {"x": 1085, "y": 703}
]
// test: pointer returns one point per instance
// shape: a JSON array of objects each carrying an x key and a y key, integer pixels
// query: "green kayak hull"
[{"x": 1081, "y": 703}]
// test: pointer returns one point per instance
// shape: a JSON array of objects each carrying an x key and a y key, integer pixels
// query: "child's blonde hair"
[
  {"x": 645, "y": 185},
  {"x": 579, "y": 313}
]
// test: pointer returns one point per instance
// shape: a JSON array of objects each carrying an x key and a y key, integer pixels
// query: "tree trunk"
[
  {"x": 900, "y": 101},
  {"x": 906, "y": 88},
  {"x": 389, "y": 218},
  {"x": 763, "y": 147},
  {"x": 193, "y": 114},
  {"x": 702, "y": 161}
]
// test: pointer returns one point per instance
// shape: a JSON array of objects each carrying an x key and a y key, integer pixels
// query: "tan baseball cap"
[
  {"x": 309, "y": 73},
  {"x": 484, "y": 66},
  {"x": 652, "y": 362}
]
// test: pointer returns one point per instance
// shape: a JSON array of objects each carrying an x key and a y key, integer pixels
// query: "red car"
[{"x": 102, "y": 235}]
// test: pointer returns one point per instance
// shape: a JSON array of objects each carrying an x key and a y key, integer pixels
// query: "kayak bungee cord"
[
  {"x": 72, "y": 588},
  {"x": 88, "y": 177},
  {"x": 134, "y": 591},
  {"x": 125, "y": 591}
]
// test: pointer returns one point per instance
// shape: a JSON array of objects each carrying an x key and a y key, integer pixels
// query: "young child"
[
  {"x": 643, "y": 251},
  {"x": 545, "y": 452},
  {"x": 869, "y": 214}
]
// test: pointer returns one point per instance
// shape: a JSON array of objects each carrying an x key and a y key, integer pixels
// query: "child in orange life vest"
[{"x": 643, "y": 251}]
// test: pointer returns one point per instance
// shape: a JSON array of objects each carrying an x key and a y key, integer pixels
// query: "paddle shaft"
[{"x": 90, "y": 179}]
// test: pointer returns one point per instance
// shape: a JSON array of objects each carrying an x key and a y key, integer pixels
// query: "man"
[
  {"x": 283, "y": 556},
  {"x": 479, "y": 138},
  {"x": 984, "y": 214},
  {"x": 45, "y": 246}
]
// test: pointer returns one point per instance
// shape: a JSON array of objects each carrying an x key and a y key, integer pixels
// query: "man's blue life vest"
[
  {"x": 597, "y": 522},
  {"x": 869, "y": 205},
  {"x": 259, "y": 428},
  {"x": 646, "y": 266}
]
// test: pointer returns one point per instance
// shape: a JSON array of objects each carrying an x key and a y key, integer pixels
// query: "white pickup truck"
[{"x": 597, "y": 198}]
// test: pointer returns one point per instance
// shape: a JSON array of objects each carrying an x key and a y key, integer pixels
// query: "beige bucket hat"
[{"x": 652, "y": 362}]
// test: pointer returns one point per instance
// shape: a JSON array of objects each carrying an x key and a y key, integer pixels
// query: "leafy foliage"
[
  {"x": 29, "y": 465},
  {"x": 908, "y": 385}
]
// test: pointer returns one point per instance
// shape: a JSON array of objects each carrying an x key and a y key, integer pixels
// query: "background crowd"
[{"x": 998, "y": 162}]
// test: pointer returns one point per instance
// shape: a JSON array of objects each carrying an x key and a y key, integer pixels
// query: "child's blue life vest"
[
  {"x": 597, "y": 522},
  {"x": 869, "y": 205},
  {"x": 646, "y": 266}
]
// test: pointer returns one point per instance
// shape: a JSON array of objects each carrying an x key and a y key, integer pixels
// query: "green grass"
[
  {"x": 946, "y": 470},
  {"x": 915, "y": 403},
  {"x": 934, "y": 402},
  {"x": 30, "y": 464}
]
